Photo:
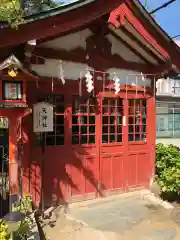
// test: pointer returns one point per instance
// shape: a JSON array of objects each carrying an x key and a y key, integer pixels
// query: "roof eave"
[
  {"x": 51, "y": 12},
  {"x": 154, "y": 24},
  {"x": 14, "y": 61},
  {"x": 60, "y": 23}
]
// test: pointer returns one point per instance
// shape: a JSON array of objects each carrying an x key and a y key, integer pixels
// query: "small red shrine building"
[{"x": 103, "y": 141}]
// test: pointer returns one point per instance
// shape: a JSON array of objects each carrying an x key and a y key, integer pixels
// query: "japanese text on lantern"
[{"x": 43, "y": 117}]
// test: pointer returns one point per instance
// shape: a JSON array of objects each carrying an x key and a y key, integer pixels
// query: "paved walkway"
[{"x": 115, "y": 219}]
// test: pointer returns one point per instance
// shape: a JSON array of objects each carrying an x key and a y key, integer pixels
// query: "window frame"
[
  {"x": 4, "y": 82},
  {"x": 139, "y": 129},
  {"x": 86, "y": 110},
  {"x": 171, "y": 113},
  {"x": 176, "y": 88},
  {"x": 117, "y": 124}
]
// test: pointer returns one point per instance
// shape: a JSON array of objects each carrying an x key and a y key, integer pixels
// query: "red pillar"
[{"x": 13, "y": 116}]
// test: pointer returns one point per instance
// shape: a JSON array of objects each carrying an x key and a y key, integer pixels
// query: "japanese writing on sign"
[
  {"x": 43, "y": 117},
  {"x": 11, "y": 91}
]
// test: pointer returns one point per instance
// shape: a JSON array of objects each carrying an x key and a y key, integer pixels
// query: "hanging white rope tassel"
[
  {"x": 61, "y": 72},
  {"x": 116, "y": 84},
  {"x": 142, "y": 77},
  {"x": 89, "y": 81}
]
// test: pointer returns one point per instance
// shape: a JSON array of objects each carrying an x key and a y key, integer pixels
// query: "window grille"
[
  {"x": 12, "y": 90},
  {"x": 137, "y": 120},
  {"x": 83, "y": 120},
  {"x": 112, "y": 112}
]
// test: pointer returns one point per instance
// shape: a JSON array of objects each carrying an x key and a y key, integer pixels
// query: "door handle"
[{"x": 124, "y": 121}]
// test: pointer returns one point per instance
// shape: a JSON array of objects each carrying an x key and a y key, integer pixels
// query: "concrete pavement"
[{"x": 116, "y": 218}]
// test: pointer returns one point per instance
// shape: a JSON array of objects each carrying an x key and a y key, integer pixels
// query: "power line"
[
  {"x": 162, "y": 6},
  {"x": 176, "y": 36}
]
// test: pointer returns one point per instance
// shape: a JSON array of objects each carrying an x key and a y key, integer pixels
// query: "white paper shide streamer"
[
  {"x": 89, "y": 81},
  {"x": 142, "y": 77},
  {"x": 61, "y": 72},
  {"x": 116, "y": 84}
]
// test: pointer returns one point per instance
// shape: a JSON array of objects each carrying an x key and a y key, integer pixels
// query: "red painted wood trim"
[
  {"x": 148, "y": 69},
  {"x": 75, "y": 55},
  {"x": 169, "y": 45},
  {"x": 130, "y": 47},
  {"x": 79, "y": 55},
  {"x": 90, "y": 26},
  {"x": 123, "y": 11},
  {"x": 63, "y": 34},
  {"x": 45, "y": 87},
  {"x": 141, "y": 45},
  {"x": 37, "y": 60},
  {"x": 47, "y": 81},
  {"x": 28, "y": 51},
  {"x": 57, "y": 24},
  {"x": 20, "y": 76}
]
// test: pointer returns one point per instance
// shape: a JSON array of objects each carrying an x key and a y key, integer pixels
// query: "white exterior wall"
[
  {"x": 51, "y": 68},
  {"x": 123, "y": 51},
  {"x": 165, "y": 87},
  {"x": 69, "y": 42},
  {"x": 173, "y": 141},
  {"x": 73, "y": 70}
]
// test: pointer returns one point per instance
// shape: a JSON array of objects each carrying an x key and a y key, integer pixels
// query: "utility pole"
[{"x": 146, "y": 4}]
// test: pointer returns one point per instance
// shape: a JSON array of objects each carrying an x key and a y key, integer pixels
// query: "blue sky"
[{"x": 168, "y": 18}]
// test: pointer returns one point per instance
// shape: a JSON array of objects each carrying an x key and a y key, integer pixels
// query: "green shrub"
[
  {"x": 4, "y": 235},
  {"x": 24, "y": 206},
  {"x": 168, "y": 167},
  {"x": 23, "y": 232}
]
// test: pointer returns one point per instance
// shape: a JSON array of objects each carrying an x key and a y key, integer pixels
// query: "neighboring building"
[
  {"x": 103, "y": 141},
  {"x": 168, "y": 111}
]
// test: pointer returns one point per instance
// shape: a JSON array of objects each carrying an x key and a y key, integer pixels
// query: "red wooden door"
[
  {"x": 84, "y": 148},
  {"x": 126, "y": 143},
  {"x": 99, "y": 145},
  {"x": 56, "y": 177},
  {"x": 139, "y": 149},
  {"x": 112, "y": 145}
]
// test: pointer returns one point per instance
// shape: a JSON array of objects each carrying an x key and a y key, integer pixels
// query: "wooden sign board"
[{"x": 43, "y": 120}]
